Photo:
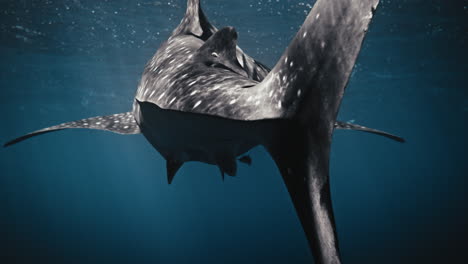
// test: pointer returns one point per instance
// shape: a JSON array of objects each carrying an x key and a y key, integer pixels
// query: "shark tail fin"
[
  {"x": 306, "y": 87},
  {"x": 123, "y": 123},
  {"x": 309, "y": 80},
  {"x": 349, "y": 126},
  {"x": 302, "y": 157}
]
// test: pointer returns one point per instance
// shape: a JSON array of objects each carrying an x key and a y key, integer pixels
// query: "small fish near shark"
[{"x": 201, "y": 98}]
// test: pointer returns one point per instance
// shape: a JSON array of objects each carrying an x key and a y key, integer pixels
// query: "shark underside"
[{"x": 201, "y": 98}]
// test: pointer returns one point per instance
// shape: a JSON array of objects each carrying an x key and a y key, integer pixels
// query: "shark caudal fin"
[
  {"x": 123, "y": 123},
  {"x": 309, "y": 80},
  {"x": 306, "y": 87},
  {"x": 302, "y": 157}
]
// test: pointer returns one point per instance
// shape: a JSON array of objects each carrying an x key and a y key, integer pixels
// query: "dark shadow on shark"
[{"x": 201, "y": 98}]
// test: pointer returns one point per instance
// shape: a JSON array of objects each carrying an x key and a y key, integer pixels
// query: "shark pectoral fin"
[
  {"x": 303, "y": 159},
  {"x": 172, "y": 166},
  {"x": 123, "y": 123},
  {"x": 349, "y": 126}
]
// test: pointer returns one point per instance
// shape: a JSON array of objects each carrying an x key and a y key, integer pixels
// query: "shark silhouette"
[{"x": 201, "y": 98}]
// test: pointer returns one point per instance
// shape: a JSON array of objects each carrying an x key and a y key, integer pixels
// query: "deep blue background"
[{"x": 93, "y": 197}]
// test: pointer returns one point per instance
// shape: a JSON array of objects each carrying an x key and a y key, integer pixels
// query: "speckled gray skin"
[
  {"x": 213, "y": 112},
  {"x": 123, "y": 123},
  {"x": 190, "y": 75},
  {"x": 201, "y": 98}
]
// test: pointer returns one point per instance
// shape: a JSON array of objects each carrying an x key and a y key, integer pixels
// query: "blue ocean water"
[{"x": 83, "y": 196}]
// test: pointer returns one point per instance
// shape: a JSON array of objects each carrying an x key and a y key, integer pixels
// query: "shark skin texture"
[{"x": 201, "y": 98}]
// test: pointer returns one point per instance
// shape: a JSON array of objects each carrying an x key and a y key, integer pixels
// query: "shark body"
[{"x": 201, "y": 98}]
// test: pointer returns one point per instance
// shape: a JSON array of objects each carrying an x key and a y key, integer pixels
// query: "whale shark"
[{"x": 202, "y": 98}]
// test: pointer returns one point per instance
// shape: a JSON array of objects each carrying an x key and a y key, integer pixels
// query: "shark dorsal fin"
[
  {"x": 222, "y": 44},
  {"x": 220, "y": 50},
  {"x": 195, "y": 22}
]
